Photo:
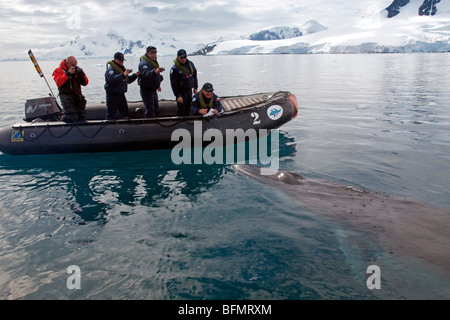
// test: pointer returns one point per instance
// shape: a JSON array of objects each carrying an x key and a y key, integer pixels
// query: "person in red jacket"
[{"x": 69, "y": 78}]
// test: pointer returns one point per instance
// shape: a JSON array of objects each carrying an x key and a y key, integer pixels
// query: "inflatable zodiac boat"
[{"x": 38, "y": 134}]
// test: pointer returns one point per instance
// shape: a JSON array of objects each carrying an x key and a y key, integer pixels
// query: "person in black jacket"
[
  {"x": 206, "y": 101},
  {"x": 117, "y": 78},
  {"x": 183, "y": 78},
  {"x": 150, "y": 81}
]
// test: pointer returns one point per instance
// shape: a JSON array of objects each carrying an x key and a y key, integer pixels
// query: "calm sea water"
[{"x": 140, "y": 227}]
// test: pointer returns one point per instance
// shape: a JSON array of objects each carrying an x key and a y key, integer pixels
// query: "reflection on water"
[{"x": 91, "y": 187}]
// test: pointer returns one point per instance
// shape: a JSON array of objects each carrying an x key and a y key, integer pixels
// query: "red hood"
[{"x": 63, "y": 65}]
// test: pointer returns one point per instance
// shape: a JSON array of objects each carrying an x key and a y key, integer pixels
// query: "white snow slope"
[{"x": 406, "y": 32}]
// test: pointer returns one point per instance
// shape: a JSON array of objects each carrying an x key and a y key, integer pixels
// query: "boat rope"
[
  {"x": 90, "y": 137},
  {"x": 183, "y": 119},
  {"x": 51, "y": 133},
  {"x": 277, "y": 95},
  {"x": 48, "y": 127},
  {"x": 171, "y": 125},
  {"x": 32, "y": 138}
]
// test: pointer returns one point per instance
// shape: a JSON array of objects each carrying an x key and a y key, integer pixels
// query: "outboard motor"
[{"x": 42, "y": 109}]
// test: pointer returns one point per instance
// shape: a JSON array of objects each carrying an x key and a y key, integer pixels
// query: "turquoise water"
[{"x": 140, "y": 227}]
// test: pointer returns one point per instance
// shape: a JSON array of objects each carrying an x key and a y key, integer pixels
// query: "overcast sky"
[{"x": 34, "y": 23}]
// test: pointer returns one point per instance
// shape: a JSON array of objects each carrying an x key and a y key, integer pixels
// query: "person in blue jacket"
[
  {"x": 117, "y": 78},
  {"x": 205, "y": 101},
  {"x": 150, "y": 81},
  {"x": 183, "y": 78}
]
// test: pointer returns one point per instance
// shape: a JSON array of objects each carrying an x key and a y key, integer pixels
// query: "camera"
[
  {"x": 77, "y": 68},
  {"x": 162, "y": 69}
]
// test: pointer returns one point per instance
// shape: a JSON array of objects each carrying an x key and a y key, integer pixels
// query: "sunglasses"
[
  {"x": 153, "y": 51},
  {"x": 183, "y": 57}
]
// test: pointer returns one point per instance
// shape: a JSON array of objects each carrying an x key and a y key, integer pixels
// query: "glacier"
[{"x": 406, "y": 32}]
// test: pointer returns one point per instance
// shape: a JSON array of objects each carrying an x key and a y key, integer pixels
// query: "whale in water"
[{"x": 400, "y": 226}]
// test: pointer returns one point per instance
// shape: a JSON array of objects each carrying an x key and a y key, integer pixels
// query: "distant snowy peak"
[
  {"x": 427, "y": 8},
  {"x": 124, "y": 45},
  {"x": 279, "y": 33},
  {"x": 105, "y": 44},
  {"x": 276, "y": 33},
  {"x": 312, "y": 26}
]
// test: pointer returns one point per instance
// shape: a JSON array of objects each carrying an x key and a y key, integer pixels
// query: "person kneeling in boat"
[
  {"x": 117, "y": 78},
  {"x": 206, "y": 101},
  {"x": 69, "y": 78}
]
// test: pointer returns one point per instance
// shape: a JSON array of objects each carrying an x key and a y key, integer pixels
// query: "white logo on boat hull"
[{"x": 275, "y": 112}]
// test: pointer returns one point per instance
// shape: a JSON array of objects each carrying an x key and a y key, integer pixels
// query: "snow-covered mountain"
[
  {"x": 276, "y": 33},
  {"x": 279, "y": 33},
  {"x": 131, "y": 42},
  {"x": 312, "y": 26},
  {"x": 403, "y": 26}
]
